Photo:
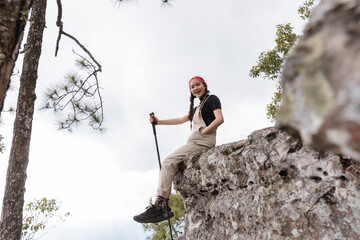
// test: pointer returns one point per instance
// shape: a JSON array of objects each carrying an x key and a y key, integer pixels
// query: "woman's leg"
[
  {"x": 158, "y": 212},
  {"x": 169, "y": 167}
]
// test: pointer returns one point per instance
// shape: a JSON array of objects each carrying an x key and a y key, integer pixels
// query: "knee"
[{"x": 168, "y": 165}]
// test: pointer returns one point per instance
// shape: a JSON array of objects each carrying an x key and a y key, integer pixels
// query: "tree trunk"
[
  {"x": 13, "y": 17},
  {"x": 12, "y": 209}
]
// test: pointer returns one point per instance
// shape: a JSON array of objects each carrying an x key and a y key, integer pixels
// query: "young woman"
[{"x": 205, "y": 119}]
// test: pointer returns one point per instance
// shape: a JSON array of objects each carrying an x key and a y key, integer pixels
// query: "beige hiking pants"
[{"x": 195, "y": 143}]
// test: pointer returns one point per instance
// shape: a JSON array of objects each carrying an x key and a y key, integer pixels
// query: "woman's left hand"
[
  {"x": 202, "y": 131},
  {"x": 219, "y": 119}
]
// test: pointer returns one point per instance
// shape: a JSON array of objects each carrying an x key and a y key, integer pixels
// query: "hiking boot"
[{"x": 153, "y": 215}]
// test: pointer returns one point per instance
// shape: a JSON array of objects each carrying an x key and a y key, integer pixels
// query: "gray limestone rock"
[
  {"x": 269, "y": 186},
  {"x": 321, "y": 77}
]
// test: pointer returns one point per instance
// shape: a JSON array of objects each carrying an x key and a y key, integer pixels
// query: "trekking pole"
[{"x": 157, "y": 149}]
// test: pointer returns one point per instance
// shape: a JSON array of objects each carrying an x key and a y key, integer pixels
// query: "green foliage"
[
  {"x": 305, "y": 9},
  {"x": 40, "y": 214},
  {"x": 269, "y": 63},
  {"x": 160, "y": 231},
  {"x": 274, "y": 105}
]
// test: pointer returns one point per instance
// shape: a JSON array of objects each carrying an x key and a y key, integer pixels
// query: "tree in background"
[
  {"x": 13, "y": 201},
  {"x": 16, "y": 12},
  {"x": 40, "y": 216},
  {"x": 13, "y": 18},
  {"x": 160, "y": 231},
  {"x": 269, "y": 63}
]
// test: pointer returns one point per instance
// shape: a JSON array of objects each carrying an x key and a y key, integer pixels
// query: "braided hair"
[{"x": 192, "y": 109}]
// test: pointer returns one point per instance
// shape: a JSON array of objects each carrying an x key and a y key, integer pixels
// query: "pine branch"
[{"x": 75, "y": 92}]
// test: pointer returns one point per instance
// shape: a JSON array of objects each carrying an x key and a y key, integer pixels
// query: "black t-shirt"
[{"x": 207, "y": 111}]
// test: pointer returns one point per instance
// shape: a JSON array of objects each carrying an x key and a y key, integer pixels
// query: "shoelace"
[{"x": 150, "y": 206}]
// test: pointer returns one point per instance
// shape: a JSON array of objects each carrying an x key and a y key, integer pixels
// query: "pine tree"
[
  {"x": 12, "y": 208},
  {"x": 13, "y": 18}
]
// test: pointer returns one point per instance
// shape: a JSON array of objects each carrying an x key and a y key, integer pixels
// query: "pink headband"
[{"x": 198, "y": 78}]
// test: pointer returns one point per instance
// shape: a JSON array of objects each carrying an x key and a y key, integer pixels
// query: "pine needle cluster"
[{"x": 78, "y": 98}]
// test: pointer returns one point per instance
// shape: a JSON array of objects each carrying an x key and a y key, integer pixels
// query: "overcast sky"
[{"x": 148, "y": 52}]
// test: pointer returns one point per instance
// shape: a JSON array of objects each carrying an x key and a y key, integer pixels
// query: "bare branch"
[
  {"x": 59, "y": 23},
  {"x": 83, "y": 48}
]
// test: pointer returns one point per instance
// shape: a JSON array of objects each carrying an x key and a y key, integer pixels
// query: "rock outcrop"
[
  {"x": 321, "y": 100},
  {"x": 269, "y": 186}
]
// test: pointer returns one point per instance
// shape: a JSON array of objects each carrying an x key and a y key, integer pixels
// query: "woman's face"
[{"x": 197, "y": 88}]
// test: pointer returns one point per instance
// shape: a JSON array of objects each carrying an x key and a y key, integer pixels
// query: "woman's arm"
[
  {"x": 173, "y": 121},
  {"x": 219, "y": 119}
]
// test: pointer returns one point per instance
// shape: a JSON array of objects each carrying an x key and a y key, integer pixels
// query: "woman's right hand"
[{"x": 152, "y": 118}]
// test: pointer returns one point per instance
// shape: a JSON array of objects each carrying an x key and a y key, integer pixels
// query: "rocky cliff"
[
  {"x": 269, "y": 186},
  {"x": 321, "y": 77}
]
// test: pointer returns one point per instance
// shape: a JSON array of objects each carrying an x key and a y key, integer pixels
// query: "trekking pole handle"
[{"x": 154, "y": 122}]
